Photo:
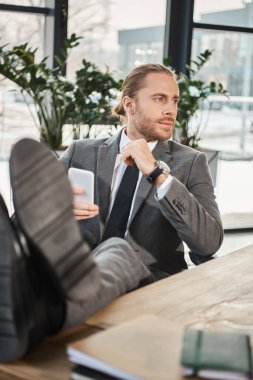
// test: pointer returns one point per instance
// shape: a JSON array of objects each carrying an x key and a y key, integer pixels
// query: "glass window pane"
[
  {"x": 15, "y": 118},
  {"x": 231, "y": 61},
  {"x": 234, "y": 192},
  {"x": 228, "y": 127},
  {"x": 29, "y": 3},
  {"x": 224, "y": 12},
  {"x": 19, "y": 28},
  {"x": 117, "y": 34}
]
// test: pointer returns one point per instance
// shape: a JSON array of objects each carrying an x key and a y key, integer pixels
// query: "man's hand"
[
  {"x": 138, "y": 152},
  {"x": 83, "y": 210}
]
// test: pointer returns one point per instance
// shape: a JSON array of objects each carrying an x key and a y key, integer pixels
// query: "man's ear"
[{"x": 129, "y": 105}]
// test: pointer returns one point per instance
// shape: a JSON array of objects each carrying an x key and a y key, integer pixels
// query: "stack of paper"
[{"x": 144, "y": 348}]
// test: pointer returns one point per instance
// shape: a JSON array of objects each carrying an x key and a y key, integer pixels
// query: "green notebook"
[{"x": 216, "y": 355}]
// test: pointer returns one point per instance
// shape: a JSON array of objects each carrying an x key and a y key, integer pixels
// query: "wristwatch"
[{"x": 161, "y": 168}]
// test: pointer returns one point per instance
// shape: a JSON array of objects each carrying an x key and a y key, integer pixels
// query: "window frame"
[{"x": 56, "y": 21}]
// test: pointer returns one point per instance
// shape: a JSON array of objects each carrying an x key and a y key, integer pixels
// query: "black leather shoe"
[
  {"x": 43, "y": 203},
  {"x": 25, "y": 308}
]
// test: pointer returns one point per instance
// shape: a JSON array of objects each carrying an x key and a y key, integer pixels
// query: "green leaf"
[{"x": 57, "y": 100}]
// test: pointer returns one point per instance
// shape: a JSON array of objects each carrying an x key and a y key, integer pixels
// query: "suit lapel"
[
  {"x": 105, "y": 166},
  {"x": 161, "y": 152}
]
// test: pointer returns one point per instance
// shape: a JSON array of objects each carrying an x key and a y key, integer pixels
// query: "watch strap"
[{"x": 154, "y": 174}]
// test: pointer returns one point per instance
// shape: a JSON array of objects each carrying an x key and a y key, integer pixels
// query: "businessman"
[
  {"x": 151, "y": 194},
  {"x": 173, "y": 201}
]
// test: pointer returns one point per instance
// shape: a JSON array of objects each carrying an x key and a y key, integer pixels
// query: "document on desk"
[
  {"x": 216, "y": 355},
  {"x": 147, "y": 348}
]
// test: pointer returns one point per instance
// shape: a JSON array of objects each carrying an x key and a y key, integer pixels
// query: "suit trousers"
[{"x": 120, "y": 270}]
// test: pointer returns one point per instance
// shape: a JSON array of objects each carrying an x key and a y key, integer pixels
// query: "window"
[
  {"x": 15, "y": 30},
  {"x": 227, "y": 29},
  {"x": 223, "y": 12},
  {"x": 117, "y": 34},
  {"x": 19, "y": 24},
  {"x": 34, "y": 3}
]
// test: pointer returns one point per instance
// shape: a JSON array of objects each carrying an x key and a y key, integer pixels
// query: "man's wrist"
[
  {"x": 151, "y": 178},
  {"x": 159, "y": 174},
  {"x": 161, "y": 179}
]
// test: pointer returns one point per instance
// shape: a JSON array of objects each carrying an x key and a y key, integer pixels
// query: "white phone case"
[{"x": 85, "y": 179}]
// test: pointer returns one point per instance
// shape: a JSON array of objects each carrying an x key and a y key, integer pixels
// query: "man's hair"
[{"x": 134, "y": 81}]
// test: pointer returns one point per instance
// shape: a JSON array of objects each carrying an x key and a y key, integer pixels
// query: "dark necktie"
[{"x": 117, "y": 222}]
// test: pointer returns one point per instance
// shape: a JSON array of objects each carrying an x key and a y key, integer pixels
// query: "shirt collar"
[{"x": 124, "y": 139}]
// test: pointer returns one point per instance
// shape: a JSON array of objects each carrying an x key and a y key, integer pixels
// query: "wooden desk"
[
  {"x": 48, "y": 361},
  {"x": 217, "y": 294}
]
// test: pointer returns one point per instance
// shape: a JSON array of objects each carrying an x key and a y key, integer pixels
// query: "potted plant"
[{"x": 57, "y": 100}]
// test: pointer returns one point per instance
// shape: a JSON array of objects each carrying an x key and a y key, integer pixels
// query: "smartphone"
[{"x": 85, "y": 179}]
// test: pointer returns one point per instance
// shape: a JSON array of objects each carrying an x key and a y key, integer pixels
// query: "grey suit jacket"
[{"x": 188, "y": 212}]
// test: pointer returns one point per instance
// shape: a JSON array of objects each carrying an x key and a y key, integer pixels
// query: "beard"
[{"x": 147, "y": 128}]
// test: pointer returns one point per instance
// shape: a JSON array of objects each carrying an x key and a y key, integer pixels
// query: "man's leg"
[
  {"x": 58, "y": 270},
  {"x": 120, "y": 269},
  {"x": 8, "y": 251},
  {"x": 32, "y": 306},
  {"x": 29, "y": 308},
  {"x": 43, "y": 203}
]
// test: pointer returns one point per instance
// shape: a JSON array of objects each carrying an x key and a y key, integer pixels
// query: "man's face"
[{"x": 154, "y": 109}]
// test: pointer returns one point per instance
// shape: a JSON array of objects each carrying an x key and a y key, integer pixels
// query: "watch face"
[{"x": 164, "y": 166}]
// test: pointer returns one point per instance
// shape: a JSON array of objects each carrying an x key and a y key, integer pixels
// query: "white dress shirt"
[{"x": 120, "y": 168}]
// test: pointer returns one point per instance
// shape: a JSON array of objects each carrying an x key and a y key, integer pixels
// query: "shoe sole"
[
  {"x": 13, "y": 340},
  {"x": 43, "y": 203}
]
